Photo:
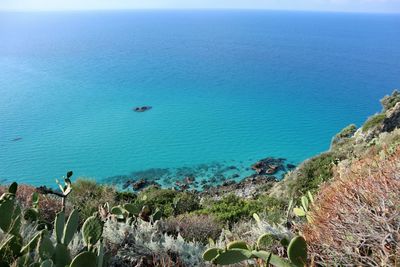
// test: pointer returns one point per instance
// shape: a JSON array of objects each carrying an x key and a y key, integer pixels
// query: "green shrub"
[
  {"x": 373, "y": 121},
  {"x": 155, "y": 197},
  {"x": 87, "y": 195},
  {"x": 231, "y": 208},
  {"x": 123, "y": 197},
  {"x": 185, "y": 202},
  {"x": 313, "y": 173},
  {"x": 275, "y": 209},
  {"x": 389, "y": 102},
  {"x": 347, "y": 132}
]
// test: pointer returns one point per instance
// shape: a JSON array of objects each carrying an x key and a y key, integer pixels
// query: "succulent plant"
[
  {"x": 156, "y": 215},
  {"x": 10, "y": 219},
  {"x": 232, "y": 256},
  {"x": 92, "y": 230},
  {"x": 131, "y": 211},
  {"x": 40, "y": 251},
  {"x": 238, "y": 251},
  {"x": 303, "y": 210},
  {"x": 70, "y": 227},
  {"x": 32, "y": 214},
  {"x": 297, "y": 251},
  {"x": 84, "y": 259}
]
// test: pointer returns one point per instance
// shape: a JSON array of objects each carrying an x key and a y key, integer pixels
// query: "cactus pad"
[
  {"x": 84, "y": 259},
  {"x": 211, "y": 254},
  {"x": 232, "y": 256},
  {"x": 71, "y": 227},
  {"x": 92, "y": 230},
  {"x": 237, "y": 244},
  {"x": 297, "y": 251}
]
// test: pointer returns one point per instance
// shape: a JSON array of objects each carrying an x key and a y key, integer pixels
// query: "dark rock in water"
[
  {"x": 16, "y": 139},
  {"x": 127, "y": 184},
  {"x": 184, "y": 187},
  {"x": 142, "y": 108},
  {"x": 269, "y": 166},
  {"x": 189, "y": 179},
  {"x": 290, "y": 166},
  {"x": 143, "y": 183},
  {"x": 139, "y": 184},
  {"x": 230, "y": 168},
  {"x": 234, "y": 176},
  {"x": 228, "y": 183},
  {"x": 206, "y": 187}
]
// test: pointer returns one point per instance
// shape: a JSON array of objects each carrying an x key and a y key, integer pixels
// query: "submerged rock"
[
  {"x": 142, "y": 108},
  {"x": 269, "y": 166},
  {"x": 142, "y": 184},
  {"x": 290, "y": 166}
]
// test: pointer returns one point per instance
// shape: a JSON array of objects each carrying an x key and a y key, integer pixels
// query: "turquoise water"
[{"x": 226, "y": 87}]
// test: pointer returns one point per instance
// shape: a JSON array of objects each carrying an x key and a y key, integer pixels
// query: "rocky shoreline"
[{"x": 213, "y": 179}]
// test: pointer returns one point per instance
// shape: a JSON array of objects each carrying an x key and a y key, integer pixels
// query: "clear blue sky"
[{"x": 316, "y": 5}]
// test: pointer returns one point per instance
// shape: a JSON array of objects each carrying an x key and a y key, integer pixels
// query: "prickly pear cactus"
[
  {"x": 237, "y": 244},
  {"x": 71, "y": 227},
  {"x": 62, "y": 256},
  {"x": 59, "y": 224},
  {"x": 84, "y": 259},
  {"x": 297, "y": 251},
  {"x": 92, "y": 230},
  {"x": 47, "y": 263},
  {"x": 232, "y": 256},
  {"x": 11, "y": 247},
  {"x": 32, "y": 214},
  {"x": 156, "y": 215},
  {"x": 46, "y": 248},
  {"x": 211, "y": 254},
  {"x": 133, "y": 208},
  {"x": 119, "y": 212},
  {"x": 10, "y": 219}
]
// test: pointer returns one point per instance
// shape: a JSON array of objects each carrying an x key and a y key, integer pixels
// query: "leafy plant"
[
  {"x": 238, "y": 251},
  {"x": 303, "y": 210}
]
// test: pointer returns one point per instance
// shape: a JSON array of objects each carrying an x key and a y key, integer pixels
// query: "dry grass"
[
  {"x": 192, "y": 227},
  {"x": 356, "y": 218}
]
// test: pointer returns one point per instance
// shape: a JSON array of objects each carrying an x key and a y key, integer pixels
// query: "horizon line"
[{"x": 32, "y": 10}]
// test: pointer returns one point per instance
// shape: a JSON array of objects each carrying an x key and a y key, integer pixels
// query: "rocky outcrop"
[
  {"x": 392, "y": 120},
  {"x": 269, "y": 166},
  {"x": 139, "y": 184},
  {"x": 142, "y": 108}
]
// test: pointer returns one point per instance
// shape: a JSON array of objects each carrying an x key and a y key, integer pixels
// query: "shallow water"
[{"x": 226, "y": 87}]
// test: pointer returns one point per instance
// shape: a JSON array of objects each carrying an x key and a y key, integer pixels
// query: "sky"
[{"x": 386, "y": 6}]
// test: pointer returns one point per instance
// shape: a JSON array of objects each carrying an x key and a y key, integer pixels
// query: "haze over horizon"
[{"x": 370, "y": 6}]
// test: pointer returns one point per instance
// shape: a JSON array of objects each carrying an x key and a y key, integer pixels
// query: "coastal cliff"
[{"x": 344, "y": 203}]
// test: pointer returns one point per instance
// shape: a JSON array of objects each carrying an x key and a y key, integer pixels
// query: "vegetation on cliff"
[{"x": 339, "y": 208}]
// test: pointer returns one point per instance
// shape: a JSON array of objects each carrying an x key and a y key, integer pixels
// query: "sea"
[{"x": 227, "y": 88}]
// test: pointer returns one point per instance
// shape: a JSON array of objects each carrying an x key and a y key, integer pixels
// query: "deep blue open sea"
[{"x": 227, "y": 88}]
